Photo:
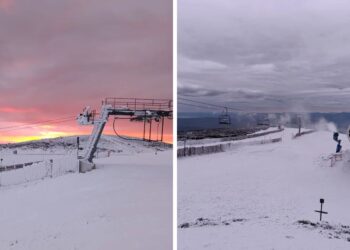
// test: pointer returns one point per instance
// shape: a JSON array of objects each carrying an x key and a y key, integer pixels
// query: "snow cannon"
[{"x": 336, "y": 138}]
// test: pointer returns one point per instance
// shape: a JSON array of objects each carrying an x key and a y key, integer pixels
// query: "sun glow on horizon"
[
  {"x": 168, "y": 138},
  {"x": 11, "y": 132}
]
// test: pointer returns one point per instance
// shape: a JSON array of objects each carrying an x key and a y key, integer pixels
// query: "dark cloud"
[
  {"x": 197, "y": 91},
  {"x": 295, "y": 53}
]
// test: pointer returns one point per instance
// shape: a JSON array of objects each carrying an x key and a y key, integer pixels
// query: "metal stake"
[{"x": 321, "y": 210}]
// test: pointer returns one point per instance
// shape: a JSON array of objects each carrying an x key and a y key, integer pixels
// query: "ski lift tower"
[{"x": 133, "y": 109}]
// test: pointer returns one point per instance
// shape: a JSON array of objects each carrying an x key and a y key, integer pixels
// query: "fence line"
[
  {"x": 17, "y": 166},
  {"x": 303, "y": 133},
  {"x": 32, "y": 171},
  {"x": 210, "y": 149},
  {"x": 242, "y": 137}
]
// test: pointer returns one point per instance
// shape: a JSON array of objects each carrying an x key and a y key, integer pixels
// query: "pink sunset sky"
[{"x": 56, "y": 57}]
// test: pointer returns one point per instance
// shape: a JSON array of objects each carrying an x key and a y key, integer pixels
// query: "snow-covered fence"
[
  {"x": 28, "y": 173},
  {"x": 17, "y": 166},
  {"x": 303, "y": 133},
  {"x": 32, "y": 171},
  {"x": 64, "y": 165},
  {"x": 210, "y": 149},
  {"x": 334, "y": 158},
  {"x": 104, "y": 153},
  {"x": 243, "y": 137}
]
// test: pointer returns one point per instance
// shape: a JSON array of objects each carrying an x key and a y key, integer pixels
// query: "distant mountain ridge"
[
  {"x": 194, "y": 121},
  {"x": 69, "y": 143}
]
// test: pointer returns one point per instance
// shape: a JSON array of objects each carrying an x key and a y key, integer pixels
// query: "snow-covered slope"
[
  {"x": 253, "y": 196},
  {"x": 66, "y": 146},
  {"x": 126, "y": 203}
]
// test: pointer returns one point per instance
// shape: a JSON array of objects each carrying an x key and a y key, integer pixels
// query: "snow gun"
[{"x": 336, "y": 138}]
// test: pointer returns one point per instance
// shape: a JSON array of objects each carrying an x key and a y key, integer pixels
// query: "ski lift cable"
[
  {"x": 37, "y": 123},
  {"x": 224, "y": 117},
  {"x": 199, "y": 106},
  {"x": 120, "y": 136},
  {"x": 34, "y": 126},
  {"x": 194, "y": 105},
  {"x": 199, "y": 102},
  {"x": 208, "y": 104}
]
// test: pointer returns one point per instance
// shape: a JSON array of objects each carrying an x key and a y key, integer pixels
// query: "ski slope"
[
  {"x": 62, "y": 146},
  {"x": 126, "y": 203},
  {"x": 264, "y": 196}
]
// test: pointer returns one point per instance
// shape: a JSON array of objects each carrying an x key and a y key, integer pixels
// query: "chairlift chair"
[{"x": 224, "y": 118}]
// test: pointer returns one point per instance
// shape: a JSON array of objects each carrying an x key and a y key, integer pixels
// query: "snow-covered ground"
[
  {"x": 126, "y": 203},
  {"x": 264, "y": 196}
]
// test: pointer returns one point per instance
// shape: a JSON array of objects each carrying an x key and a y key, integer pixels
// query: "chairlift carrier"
[{"x": 224, "y": 118}]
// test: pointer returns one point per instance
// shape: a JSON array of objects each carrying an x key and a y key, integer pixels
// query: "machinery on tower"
[{"x": 133, "y": 109}]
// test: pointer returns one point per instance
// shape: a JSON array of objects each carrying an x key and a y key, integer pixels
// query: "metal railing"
[{"x": 140, "y": 104}]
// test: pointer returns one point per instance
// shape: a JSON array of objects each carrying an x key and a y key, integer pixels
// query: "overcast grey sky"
[{"x": 271, "y": 55}]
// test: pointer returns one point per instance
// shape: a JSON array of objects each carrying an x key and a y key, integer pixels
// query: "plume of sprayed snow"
[
  {"x": 324, "y": 125},
  {"x": 285, "y": 119},
  {"x": 305, "y": 119},
  {"x": 272, "y": 116}
]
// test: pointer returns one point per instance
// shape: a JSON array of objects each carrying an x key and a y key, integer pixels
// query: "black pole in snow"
[
  {"x": 150, "y": 130},
  {"x": 161, "y": 136}
]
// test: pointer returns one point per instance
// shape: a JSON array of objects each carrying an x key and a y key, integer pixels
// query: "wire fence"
[
  {"x": 38, "y": 170},
  {"x": 210, "y": 149}
]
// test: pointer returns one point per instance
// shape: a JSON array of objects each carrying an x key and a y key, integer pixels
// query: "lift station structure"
[{"x": 132, "y": 109}]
